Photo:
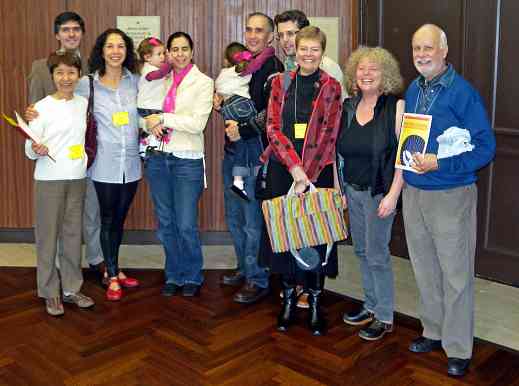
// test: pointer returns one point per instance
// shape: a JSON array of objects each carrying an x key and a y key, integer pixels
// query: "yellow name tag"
[
  {"x": 299, "y": 130},
  {"x": 121, "y": 118},
  {"x": 76, "y": 152}
]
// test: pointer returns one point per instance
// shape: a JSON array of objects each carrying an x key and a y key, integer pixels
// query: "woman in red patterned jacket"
[{"x": 303, "y": 121}]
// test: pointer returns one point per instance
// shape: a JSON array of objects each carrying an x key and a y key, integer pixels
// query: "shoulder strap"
[{"x": 91, "y": 94}]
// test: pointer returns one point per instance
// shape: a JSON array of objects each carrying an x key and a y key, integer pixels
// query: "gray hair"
[{"x": 443, "y": 35}]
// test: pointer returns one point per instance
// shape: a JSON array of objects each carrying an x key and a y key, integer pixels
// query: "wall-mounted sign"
[
  {"x": 330, "y": 26},
  {"x": 139, "y": 27}
]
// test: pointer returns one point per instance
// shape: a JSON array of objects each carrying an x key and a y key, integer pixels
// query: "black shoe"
[
  {"x": 316, "y": 321},
  {"x": 234, "y": 279},
  {"x": 358, "y": 318},
  {"x": 241, "y": 193},
  {"x": 286, "y": 315},
  {"x": 169, "y": 289},
  {"x": 99, "y": 271},
  {"x": 190, "y": 290},
  {"x": 457, "y": 367},
  {"x": 424, "y": 345},
  {"x": 376, "y": 330},
  {"x": 250, "y": 293}
]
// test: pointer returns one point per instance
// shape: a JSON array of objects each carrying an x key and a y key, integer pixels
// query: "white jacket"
[{"x": 193, "y": 105}]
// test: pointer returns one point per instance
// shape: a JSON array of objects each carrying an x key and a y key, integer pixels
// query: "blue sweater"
[{"x": 458, "y": 104}]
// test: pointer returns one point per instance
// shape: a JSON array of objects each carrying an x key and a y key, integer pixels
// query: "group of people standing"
[{"x": 287, "y": 125}]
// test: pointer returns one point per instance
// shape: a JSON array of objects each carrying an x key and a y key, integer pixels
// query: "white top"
[
  {"x": 193, "y": 105},
  {"x": 334, "y": 70},
  {"x": 229, "y": 83},
  {"x": 151, "y": 93},
  {"x": 61, "y": 124}
]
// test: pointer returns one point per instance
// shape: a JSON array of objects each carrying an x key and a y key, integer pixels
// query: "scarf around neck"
[
  {"x": 258, "y": 61},
  {"x": 177, "y": 78}
]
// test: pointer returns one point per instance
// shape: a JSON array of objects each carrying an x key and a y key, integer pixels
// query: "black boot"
[
  {"x": 288, "y": 308},
  {"x": 316, "y": 321}
]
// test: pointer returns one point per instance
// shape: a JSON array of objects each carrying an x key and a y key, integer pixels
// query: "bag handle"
[
  {"x": 298, "y": 257},
  {"x": 291, "y": 191}
]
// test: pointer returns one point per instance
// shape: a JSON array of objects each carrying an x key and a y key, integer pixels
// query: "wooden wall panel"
[
  {"x": 21, "y": 41},
  {"x": 211, "y": 23}
]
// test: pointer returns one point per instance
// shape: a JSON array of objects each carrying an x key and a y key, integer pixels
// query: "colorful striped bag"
[{"x": 299, "y": 221}]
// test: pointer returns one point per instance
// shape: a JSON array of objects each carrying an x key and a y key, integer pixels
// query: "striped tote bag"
[{"x": 299, "y": 221}]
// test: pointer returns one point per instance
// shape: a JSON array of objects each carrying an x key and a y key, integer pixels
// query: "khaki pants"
[
  {"x": 440, "y": 229},
  {"x": 59, "y": 210}
]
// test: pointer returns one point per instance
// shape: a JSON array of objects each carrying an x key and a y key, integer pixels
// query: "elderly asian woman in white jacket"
[{"x": 175, "y": 170}]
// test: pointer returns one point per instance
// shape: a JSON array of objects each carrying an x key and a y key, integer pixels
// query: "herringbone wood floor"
[{"x": 150, "y": 340}]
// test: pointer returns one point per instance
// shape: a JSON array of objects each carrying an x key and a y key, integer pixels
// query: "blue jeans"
[
  {"x": 371, "y": 236},
  {"x": 176, "y": 185},
  {"x": 245, "y": 222}
]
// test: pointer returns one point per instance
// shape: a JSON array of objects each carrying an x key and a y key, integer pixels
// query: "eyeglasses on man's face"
[{"x": 286, "y": 35}]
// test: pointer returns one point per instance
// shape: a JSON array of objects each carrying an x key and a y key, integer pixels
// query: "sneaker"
[
  {"x": 358, "y": 318},
  {"x": 80, "y": 300},
  {"x": 54, "y": 307},
  {"x": 376, "y": 330}
]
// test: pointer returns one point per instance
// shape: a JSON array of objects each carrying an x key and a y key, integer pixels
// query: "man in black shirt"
[{"x": 244, "y": 217}]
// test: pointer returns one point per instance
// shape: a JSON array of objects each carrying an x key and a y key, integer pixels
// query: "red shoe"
[
  {"x": 129, "y": 282},
  {"x": 114, "y": 295}
]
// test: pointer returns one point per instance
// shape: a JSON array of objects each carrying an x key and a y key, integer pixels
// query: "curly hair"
[
  {"x": 96, "y": 61},
  {"x": 392, "y": 81}
]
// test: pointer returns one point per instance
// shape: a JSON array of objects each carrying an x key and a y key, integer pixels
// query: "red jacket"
[{"x": 321, "y": 134}]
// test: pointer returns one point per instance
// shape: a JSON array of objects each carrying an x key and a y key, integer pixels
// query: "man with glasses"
[
  {"x": 288, "y": 24},
  {"x": 69, "y": 28}
]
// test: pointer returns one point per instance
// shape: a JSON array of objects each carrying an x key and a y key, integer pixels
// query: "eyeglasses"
[{"x": 286, "y": 35}]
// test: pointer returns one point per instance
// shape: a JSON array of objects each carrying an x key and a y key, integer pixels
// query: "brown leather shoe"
[
  {"x": 250, "y": 293},
  {"x": 234, "y": 279}
]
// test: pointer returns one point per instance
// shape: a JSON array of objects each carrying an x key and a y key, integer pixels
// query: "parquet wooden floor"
[{"x": 150, "y": 340}]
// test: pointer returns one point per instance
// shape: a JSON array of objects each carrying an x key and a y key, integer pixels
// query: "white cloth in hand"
[{"x": 453, "y": 141}]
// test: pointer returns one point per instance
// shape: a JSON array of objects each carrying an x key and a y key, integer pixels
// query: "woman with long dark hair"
[{"x": 116, "y": 170}]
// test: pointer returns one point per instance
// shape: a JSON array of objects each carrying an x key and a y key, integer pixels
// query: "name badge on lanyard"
[{"x": 300, "y": 130}]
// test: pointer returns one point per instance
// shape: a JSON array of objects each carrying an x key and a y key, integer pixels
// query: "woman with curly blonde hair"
[{"x": 366, "y": 151}]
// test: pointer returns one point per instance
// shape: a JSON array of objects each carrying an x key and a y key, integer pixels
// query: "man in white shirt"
[{"x": 288, "y": 24}]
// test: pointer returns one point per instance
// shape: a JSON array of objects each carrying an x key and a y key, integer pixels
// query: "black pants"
[{"x": 114, "y": 203}]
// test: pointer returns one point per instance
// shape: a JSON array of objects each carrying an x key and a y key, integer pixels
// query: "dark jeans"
[
  {"x": 246, "y": 152},
  {"x": 245, "y": 222},
  {"x": 176, "y": 185},
  {"x": 114, "y": 203}
]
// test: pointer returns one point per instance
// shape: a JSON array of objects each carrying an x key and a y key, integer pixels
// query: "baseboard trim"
[{"x": 132, "y": 237}]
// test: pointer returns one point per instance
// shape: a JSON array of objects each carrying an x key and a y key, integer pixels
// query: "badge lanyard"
[{"x": 420, "y": 93}]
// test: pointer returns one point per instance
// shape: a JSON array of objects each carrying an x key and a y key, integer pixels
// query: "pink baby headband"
[
  {"x": 155, "y": 42},
  {"x": 242, "y": 56}
]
